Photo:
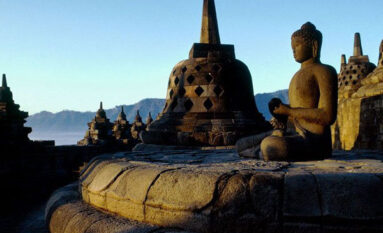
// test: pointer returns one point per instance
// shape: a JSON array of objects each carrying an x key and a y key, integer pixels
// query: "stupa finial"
[
  {"x": 121, "y": 115},
  {"x": 149, "y": 119},
  {"x": 4, "y": 84},
  {"x": 138, "y": 117},
  {"x": 380, "y": 62},
  {"x": 209, "y": 29},
  {"x": 343, "y": 62},
  {"x": 343, "y": 59},
  {"x": 101, "y": 105},
  {"x": 357, "y": 45}
]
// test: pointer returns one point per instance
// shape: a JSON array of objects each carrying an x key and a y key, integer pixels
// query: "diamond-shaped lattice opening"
[
  {"x": 188, "y": 105},
  {"x": 184, "y": 69},
  {"x": 190, "y": 79},
  {"x": 199, "y": 90},
  {"x": 176, "y": 81},
  {"x": 198, "y": 67},
  {"x": 218, "y": 91},
  {"x": 173, "y": 104},
  {"x": 208, "y": 104},
  {"x": 174, "y": 71},
  {"x": 216, "y": 68},
  {"x": 181, "y": 92},
  {"x": 208, "y": 78},
  {"x": 171, "y": 93}
]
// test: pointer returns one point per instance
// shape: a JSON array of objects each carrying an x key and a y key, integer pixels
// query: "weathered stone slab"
[
  {"x": 301, "y": 197},
  {"x": 266, "y": 194},
  {"x": 74, "y": 216},
  {"x": 107, "y": 175},
  {"x": 183, "y": 189},
  {"x": 351, "y": 195}
]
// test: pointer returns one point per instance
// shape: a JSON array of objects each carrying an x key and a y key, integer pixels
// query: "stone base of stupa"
[{"x": 202, "y": 190}]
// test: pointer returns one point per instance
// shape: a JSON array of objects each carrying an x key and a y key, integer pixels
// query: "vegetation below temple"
[{"x": 74, "y": 123}]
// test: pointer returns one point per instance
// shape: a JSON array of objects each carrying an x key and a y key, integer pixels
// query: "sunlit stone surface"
[{"x": 217, "y": 191}]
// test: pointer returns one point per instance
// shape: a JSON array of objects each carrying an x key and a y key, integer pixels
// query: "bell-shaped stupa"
[
  {"x": 99, "y": 130},
  {"x": 210, "y": 98},
  {"x": 352, "y": 73}
]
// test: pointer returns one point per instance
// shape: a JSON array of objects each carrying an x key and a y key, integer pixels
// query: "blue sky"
[{"x": 70, "y": 54}]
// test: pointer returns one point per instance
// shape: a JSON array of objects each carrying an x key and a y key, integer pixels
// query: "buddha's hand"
[
  {"x": 277, "y": 124},
  {"x": 274, "y": 103}
]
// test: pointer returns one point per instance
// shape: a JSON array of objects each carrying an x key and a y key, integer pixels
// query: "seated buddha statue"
[{"x": 312, "y": 108}]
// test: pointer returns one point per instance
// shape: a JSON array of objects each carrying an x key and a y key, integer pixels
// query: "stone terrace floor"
[{"x": 209, "y": 190}]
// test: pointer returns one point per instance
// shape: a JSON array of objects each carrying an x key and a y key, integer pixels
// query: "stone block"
[
  {"x": 80, "y": 222},
  {"x": 183, "y": 189},
  {"x": 301, "y": 198},
  {"x": 88, "y": 173},
  {"x": 125, "y": 208},
  {"x": 355, "y": 196},
  {"x": 63, "y": 214},
  {"x": 135, "y": 183},
  {"x": 232, "y": 202},
  {"x": 266, "y": 190},
  {"x": 107, "y": 175},
  {"x": 188, "y": 220}
]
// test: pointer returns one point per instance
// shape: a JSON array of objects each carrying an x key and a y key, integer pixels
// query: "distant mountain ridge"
[
  {"x": 69, "y": 121},
  {"x": 75, "y": 121}
]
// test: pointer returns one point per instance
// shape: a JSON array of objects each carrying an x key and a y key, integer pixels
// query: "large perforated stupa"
[{"x": 210, "y": 98}]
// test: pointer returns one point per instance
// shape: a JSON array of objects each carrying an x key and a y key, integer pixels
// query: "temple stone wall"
[
  {"x": 371, "y": 124},
  {"x": 359, "y": 124}
]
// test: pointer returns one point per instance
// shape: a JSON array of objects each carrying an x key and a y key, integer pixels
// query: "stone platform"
[{"x": 167, "y": 190}]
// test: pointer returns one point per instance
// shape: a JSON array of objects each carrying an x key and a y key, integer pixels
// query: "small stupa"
[
  {"x": 137, "y": 126},
  {"x": 121, "y": 129},
  {"x": 99, "y": 130},
  {"x": 352, "y": 73},
  {"x": 210, "y": 98},
  {"x": 12, "y": 130}
]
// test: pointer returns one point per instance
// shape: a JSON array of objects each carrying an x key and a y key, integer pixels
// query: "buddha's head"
[{"x": 306, "y": 43}]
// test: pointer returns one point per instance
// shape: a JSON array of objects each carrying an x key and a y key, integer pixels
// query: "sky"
[{"x": 71, "y": 54}]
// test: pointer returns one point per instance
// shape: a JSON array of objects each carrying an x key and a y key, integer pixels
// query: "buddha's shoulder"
[{"x": 324, "y": 69}]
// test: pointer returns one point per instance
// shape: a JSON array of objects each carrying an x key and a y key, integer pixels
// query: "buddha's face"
[{"x": 301, "y": 49}]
